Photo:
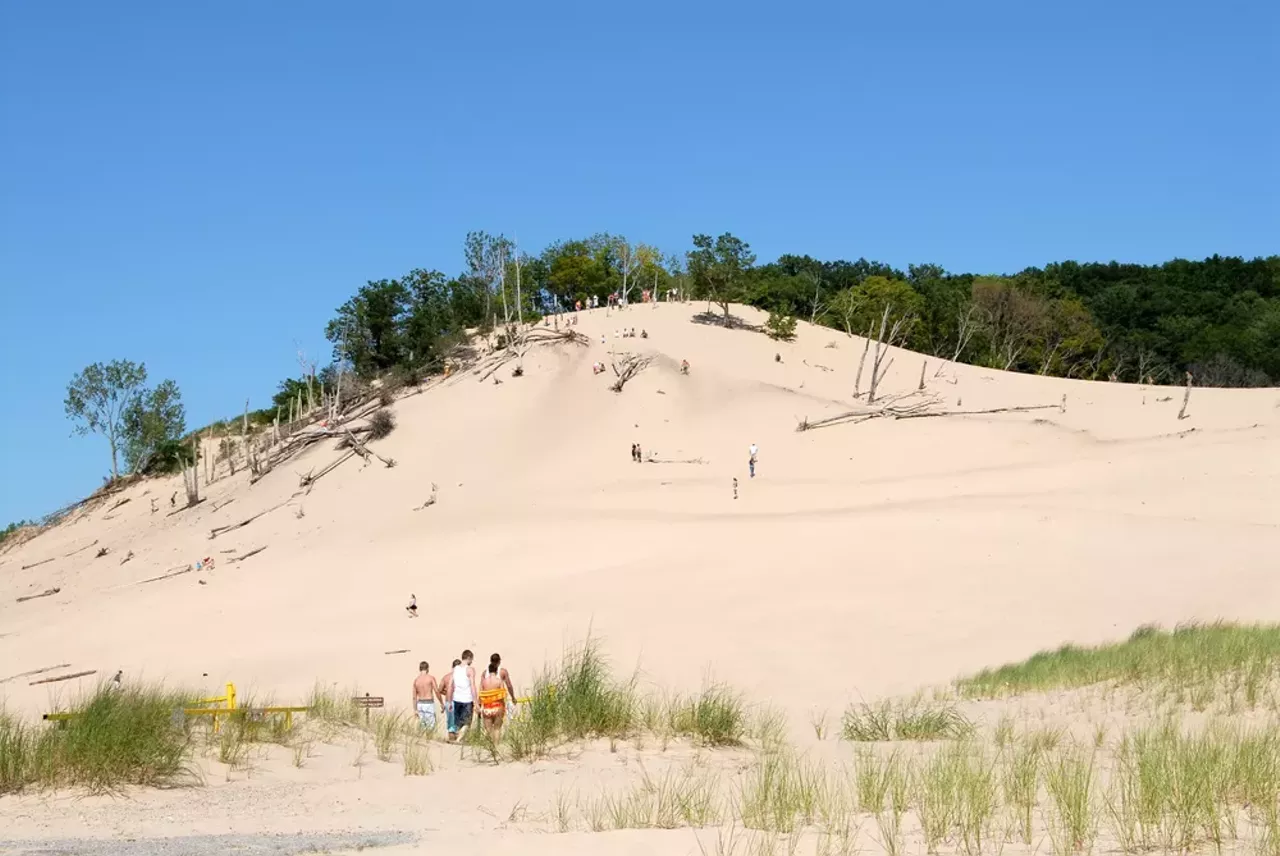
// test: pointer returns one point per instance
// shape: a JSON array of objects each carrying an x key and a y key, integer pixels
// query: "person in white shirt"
[{"x": 751, "y": 460}]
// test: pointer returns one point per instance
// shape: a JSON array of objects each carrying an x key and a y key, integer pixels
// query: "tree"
[
  {"x": 781, "y": 326},
  {"x": 98, "y": 398},
  {"x": 719, "y": 269},
  {"x": 152, "y": 418},
  {"x": 368, "y": 331}
]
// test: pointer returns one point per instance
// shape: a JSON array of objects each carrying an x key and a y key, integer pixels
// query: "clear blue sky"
[{"x": 198, "y": 186}]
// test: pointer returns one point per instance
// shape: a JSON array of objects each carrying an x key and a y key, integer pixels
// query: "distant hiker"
[
  {"x": 735, "y": 487},
  {"x": 446, "y": 693},
  {"x": 751, "y": 461},
  {"x": 644, "y": 334},
  {"x": 117, "y": 683},
  {"x": 464, "y": 699},
  {"x": 496, "y": 694},
  {"x": 684, "y": 367},
  {"x": 412, "y": 608},
  {"x": 633, "y": 452},
  {"x": 425, "y": 694},
  {"x": 639, "y": 455}
]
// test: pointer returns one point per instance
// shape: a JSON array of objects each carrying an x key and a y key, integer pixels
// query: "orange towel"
[{"x": 493, "y": 701}]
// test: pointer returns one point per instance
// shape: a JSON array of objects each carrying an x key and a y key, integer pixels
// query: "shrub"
[
  {"x": 913, "y": 719},
  {"x": 381, "y": 424},
  {"x": 715, "y": 717},
  {"x": 781, "y": 326}
]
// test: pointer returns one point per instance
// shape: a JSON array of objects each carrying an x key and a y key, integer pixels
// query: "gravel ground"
[{"x": 209, "y": 845}]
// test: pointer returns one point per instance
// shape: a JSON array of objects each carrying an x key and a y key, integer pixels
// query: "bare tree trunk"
[
  {"x": 191, "y": 475},
  {"x": 923, "y": 366},
  {"x": 883, "y": 344},
  {"x": 857, "y": 381},
  {"x": 1186, "y": 399}
]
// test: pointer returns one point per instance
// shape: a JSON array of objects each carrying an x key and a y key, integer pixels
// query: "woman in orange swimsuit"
[{"x": 495, "y": 692}]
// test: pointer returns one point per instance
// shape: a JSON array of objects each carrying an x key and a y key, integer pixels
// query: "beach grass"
[
  {"x": 717, "y": 716},
  {"x": 116, "y": 737},
  {"x": 904, "y": 719},
  {"x": 1189, "y": 657}
]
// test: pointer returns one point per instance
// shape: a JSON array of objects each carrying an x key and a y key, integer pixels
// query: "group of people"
[
  {"x": 462, "y": 696},
  {"x": 636, "y": 454}
]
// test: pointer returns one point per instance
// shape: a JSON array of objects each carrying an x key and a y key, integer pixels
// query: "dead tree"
[
  {"x": 857, "y": 381},
  {"x": 883, "y": 342},
  {"x": 625, "y": 367},
  {"x": 191, "y": 475},
  {"x": 923, "y": 366},
  {"x": 1186, "y": 398}
]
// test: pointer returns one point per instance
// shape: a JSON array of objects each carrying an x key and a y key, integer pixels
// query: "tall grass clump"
[
  {"x": 1192, "y": 656},
  {"x": 1073, "y": 822},
  {"x": 907, "y": 719},
  {"x": 782, "y": 793},
  {"x": 714, "y": 717},
  {"x": 116, "y": 737},
  {"x": 332, "y": 706},
  {"x": 675, "y": 800},
  {"x": 576, "y": 700}
]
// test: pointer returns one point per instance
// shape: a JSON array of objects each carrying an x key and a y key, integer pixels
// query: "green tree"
[
  {"x": 720, "y": 269},
  {"x": 368, "y": 332},
  {"x": 152, "y": 418},
  {"x": 98, "y": 398}
]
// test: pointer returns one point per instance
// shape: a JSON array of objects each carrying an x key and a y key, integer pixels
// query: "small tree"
[
  {"x": 98, "y": 399},
  {"x": 719, "y": 269},
  {"x": 781, "y": 326},
  {"x": 152, "y": 418}
]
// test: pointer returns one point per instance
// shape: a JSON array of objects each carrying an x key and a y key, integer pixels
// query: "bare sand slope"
[{"x": 863, "y": 560}]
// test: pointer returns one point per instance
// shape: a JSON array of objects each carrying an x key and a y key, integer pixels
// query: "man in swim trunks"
[
  {"x": 462, "y": 690},
  {"x": 425, "y": 694}
]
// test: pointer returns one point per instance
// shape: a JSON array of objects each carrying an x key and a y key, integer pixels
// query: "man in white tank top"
[{"x": 462, "y": 692}]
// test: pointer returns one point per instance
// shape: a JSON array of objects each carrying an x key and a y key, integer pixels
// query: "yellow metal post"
[{"x": 231, "y": 696}]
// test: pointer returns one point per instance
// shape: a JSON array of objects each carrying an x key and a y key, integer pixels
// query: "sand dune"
[{"x": 863, "y": 560}]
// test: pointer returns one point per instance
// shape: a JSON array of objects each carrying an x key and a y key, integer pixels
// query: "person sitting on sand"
[
  {"x": 425, "y": 694},
  {"x": 462, "y": 688},
  {"x": 684, "y": 367},
  {"x": 412, "y": 608},
  {"x": 495, "y": 691}
]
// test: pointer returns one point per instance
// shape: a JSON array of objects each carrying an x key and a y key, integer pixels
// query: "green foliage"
[
  {"x": 169, "y": 457},
  {"x": 781, "y": 326},
  {"x": 98, "y": 398},
  {"x": 153, "y": 419},
  {"x": 910, "y": 719},
  {"x": 720, "y": 269},
  {"x": 117, "y": 737},
  {"x": 1191, "y": 655},
  {"x": 14, "y": 527}
]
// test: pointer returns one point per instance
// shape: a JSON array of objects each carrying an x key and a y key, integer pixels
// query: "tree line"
[{"x": 1218, "y": 318}]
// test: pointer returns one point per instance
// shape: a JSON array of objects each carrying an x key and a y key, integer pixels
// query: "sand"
[{"x": 863, "y": 560}]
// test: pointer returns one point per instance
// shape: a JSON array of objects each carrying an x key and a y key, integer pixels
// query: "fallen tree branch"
[
  {"x": 246, "y": 555},
  {"x": 219, "y": 530},
  {"x": 63, "y": 677},
  {"x": 120, "y": 503},
  {"x": 185, "y": 507},
  {"x": 652, "y": 460},
  {"x": 364, "y": 451},
  {"x": 39, "y": 563},
  {"x": 36, "y": 672},
  {"x": 46, "y": 593},
  {"x": 173, "y": 572},
  {"x": 921, "y": 410}
]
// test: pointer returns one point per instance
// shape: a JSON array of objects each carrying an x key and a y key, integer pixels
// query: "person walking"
[
  {"x": 496, "y": 695},
  {"x": 751, "y": 460},
  {"x": 463, "y": 691},
  {"x": 425, "y": 694},
  {"x": 735, "y": 487}
]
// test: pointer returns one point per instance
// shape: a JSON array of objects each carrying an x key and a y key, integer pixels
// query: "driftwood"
[
  {"x": 918, "y": 410},
  {"x": 102, "y": 551},
  {"x": 1186, "y": 399},
  {"x": 36, "y": 672},
  {"x": 118, "y": 504},
  {"x": 365, "y": 452},
  {"x": 63, "y": 556},
  {"x": 246, "y": 555},
  {"x": 63, "y": 677},
  {"x": 39, "y": 563},
  {"x": 652, "y": 460},
  {"x": 817, "y": 366},
  {"x": 218, "y": 506},
  {"x": 173, "y": 572},
  {"x": 127, "y": 558},
  {"x": 626, "y": 368},
  {"x": 219, "y": 530},
  {"x": 431, "y": 500},
  {"x": 397, "y": 651},
  {"x": 46, "y": 593}
]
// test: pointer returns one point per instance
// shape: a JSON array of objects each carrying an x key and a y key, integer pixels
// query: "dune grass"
[
  {"x": 716, "y": 716},
  {"x": 904, "y": 719},
  {"x": 117, "y": 738},
  {"x": 1233, "y": 656}
]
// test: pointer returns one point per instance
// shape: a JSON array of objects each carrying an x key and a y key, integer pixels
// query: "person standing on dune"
[
  {"x": 462, "y": 688},
  {"x": 751, "y": 459}
]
